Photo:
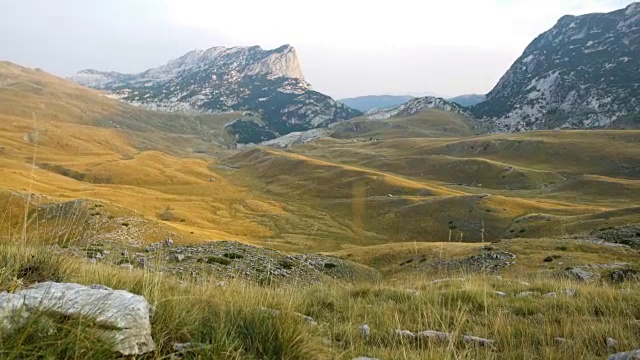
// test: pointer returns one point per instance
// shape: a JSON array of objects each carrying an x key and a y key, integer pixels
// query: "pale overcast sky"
[{"x": 346, "y": 47}]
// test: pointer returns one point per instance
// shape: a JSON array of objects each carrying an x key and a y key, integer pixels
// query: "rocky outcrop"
[
  {"x": 122, "y": 317},
  {"x": 269, "y": 82},
  {"x": 416, "y": 105},
  {"x": 225, "y": 260},
  {"x": 581, "y": 74}
]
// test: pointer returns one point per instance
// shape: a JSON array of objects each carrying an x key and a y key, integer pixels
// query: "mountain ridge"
[
  {"x": 581, "y": 73},
  {"x": 220, "y": 79}
]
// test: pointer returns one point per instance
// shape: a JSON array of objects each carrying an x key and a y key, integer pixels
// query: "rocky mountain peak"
[
  {"x": 582, "y": 73},
  {"x": 219, "y": 79}
]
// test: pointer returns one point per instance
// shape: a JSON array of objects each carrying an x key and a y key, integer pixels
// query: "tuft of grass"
[{"x": 22, "y": 265}]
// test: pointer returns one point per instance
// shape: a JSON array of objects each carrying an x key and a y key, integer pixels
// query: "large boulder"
[
  {"x": 122, "y": 317},
  {"x": 629, "y": 355}
]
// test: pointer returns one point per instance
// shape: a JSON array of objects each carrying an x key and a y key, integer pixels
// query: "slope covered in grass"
[
  {"x": 240, "y": 320},
  {"x": 427, "y": 123}
]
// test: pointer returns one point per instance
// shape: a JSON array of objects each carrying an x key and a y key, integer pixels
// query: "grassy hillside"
[
  {"x": 66, "y": 142},
  {"x": 427, "y": 123},
  {"x": 240, "y": 320},
  {"x": 380, "y": 207}
]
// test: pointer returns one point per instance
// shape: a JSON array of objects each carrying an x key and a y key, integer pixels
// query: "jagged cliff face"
[
  {"x": 582, "y": 73},
  {"x": 269, "y": 82}
]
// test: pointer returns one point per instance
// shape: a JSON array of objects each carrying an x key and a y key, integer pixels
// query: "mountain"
[
  {"x": 268, "y": 82},
  {"x": 468, "y": 100},
  {"x": 371, "y": 102},
  {"x": 416, "y": 105},
  {"x": 582, "y": 73}
]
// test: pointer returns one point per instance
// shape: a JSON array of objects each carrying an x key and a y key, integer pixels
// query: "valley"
[
  {"x": 235, "y": 212},
  {"x": 422, "y": 177}
]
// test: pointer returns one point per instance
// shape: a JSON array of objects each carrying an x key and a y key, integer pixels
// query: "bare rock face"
[
  {"x": 629, "y": 355},
  {"x": 267, "y": 82},
  {"x": 123, "y": 317},
  {"x": 283, "y": 63},
  {"x": 580, "y": 74}
]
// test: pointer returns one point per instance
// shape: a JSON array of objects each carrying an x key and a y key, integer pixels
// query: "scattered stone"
[
  {"x": 583, "y": 274},
  {"x": 500, "y": 294},
  {"x": 127, "y": 266},
  {"x": 437, "y": 281},
  {"x": 623, "y": 275},
  {"x": 611, "y": 342},
  {"x": 404, "y": 334},
  {"x": 179, "y": 257},
  {"x": 436, "y": 335},
  {"x": 485, "y": 262},
  {"x": 188, "y": 347},
  {"x": 550, "y": 295},
  {"x": 570, "y": 292},
  {"x": 94, "y": 255},
  {"x": 561, "y": 341},
  {"x": 272, "y": 312},
  {"x": 365, "y": 331},
  {"x": 168, "y": 242},
  {"x": 629, "y": 355},
  {"x": 306, "y": 318},
  {"x": 256, "y": 264},
  {"x": 124, "y": 317},
  {"x": 477, "y": 340},
  {"x": 525, "y": 294},
  {"x": 154, "y": 247}
]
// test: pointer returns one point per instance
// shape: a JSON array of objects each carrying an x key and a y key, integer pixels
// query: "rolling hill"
[{"x": 420, "y": 174}]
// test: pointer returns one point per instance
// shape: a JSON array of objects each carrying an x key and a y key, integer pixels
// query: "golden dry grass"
[{"x": 323, "y": 196}]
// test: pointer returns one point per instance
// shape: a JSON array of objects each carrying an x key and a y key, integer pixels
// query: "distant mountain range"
[
  {"x": 371, "y": 102},
  {"x": 468, "y": 100},
  {"x": 267, "y": 82},
  {"x": 583, "y": 73}
]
